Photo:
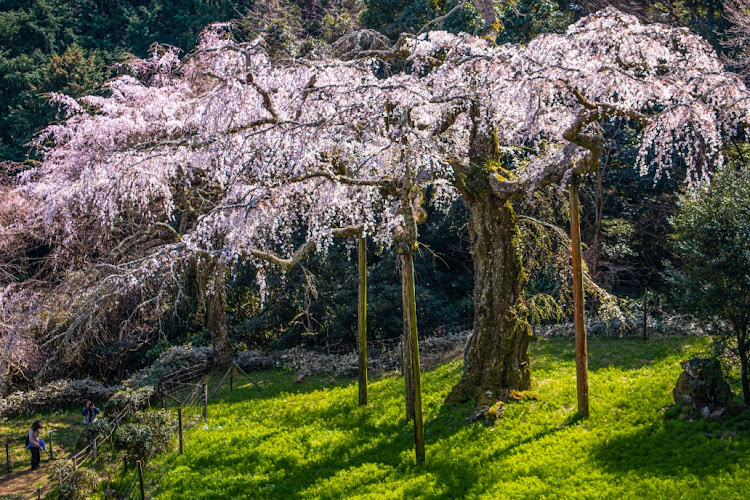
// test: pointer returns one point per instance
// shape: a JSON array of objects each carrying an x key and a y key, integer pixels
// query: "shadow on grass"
[
  {"x": 630, "y": 353},
  {"x": 674, "y": 448}
]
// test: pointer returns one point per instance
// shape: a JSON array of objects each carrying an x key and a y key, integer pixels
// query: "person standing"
[
  {"x": 34, "y": 444},
  {"x": 89, "y": 413}
]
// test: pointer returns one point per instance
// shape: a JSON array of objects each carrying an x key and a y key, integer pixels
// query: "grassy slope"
[{"x": 312, "y": 440}]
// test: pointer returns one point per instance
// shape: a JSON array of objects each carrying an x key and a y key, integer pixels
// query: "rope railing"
[
  {"x": 79, "y": 459},
  {"x": 183, "y": 389}
]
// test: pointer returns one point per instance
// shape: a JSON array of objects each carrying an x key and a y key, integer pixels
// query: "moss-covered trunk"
[
  {"x": 496, "y": 358},
  {"x": 216, "y": 314}
]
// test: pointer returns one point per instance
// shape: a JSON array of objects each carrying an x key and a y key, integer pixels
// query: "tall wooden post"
[
  {"x": 179, "y": 424},
  {"x": 205, "y": 401},
  {"x": 578, "y": 320},
  {"x": 51, "y": 455},
  {"x": 645, "y": 315},
  {"x": 419, "y": 444},
  {"x": 140, "y": 479},
  {"x": 406, "y": 355},
  {"x": 362, "y": 320},
  {"x": 7, "y": 456}
]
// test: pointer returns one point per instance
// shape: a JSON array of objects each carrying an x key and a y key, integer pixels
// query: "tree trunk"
[
  {"x": 742, "y": 351},
  {"x": 496, "y": 358},
  {"x": 486, "y": 9},
  {"x": 406, "y": 358},
  {"x": 216, "y": 315}
]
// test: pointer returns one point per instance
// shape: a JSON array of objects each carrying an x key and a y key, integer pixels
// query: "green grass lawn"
[
  {"x": 312, "y": 440},
  {"x": 66, "y": 426}
]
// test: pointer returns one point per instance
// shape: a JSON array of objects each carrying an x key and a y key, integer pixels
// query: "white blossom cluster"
[
  {"x": 527, "y": 94},
  {"x": 269, "y": 148}
]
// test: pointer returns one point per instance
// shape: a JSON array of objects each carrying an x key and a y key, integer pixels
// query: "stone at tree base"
[{"x": 702, "y": 387}]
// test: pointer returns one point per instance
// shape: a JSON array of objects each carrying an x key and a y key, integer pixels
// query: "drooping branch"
[
  {"x": 288, "y": 263},
  {"x": 304, "y": 250}
]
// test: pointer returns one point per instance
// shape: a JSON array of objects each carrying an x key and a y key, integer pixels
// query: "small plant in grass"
[{"x": 523, "y": 395}]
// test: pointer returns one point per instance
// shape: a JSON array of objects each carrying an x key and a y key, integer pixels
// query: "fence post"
[
  {"x": 39, "y": 493},
  {"x": 7, "y": 455},
  {"x": 93, "y": 448},
  {"x": 179, "y": 423},
  {"x": 75, "y": 462},
  {"x": 140, "y": 479},
  {"x": 125, "y": 462},
  {"x": 231, "y": 379},
  {"x": 51, "y": 455},
  {"x": 205, "y": 401},
  {"x": 59, "y": 479},
  {"x": 645, "y": 315},
  {"x": 27, "y": 405}
]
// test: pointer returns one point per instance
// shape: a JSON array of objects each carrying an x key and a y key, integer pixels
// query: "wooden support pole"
[
  {"x": 51, "y": 454},
  {"x": 140, "y": 479},
  {"x": 26, "y": 402},
  {"x": 419, "y": 444},
  {"x": 578, "y": 319},
  {"x": 645, "y": 315},
  {"x": 179, "y": 426},
  {"x": 93, "y": 448},
  {"x": 7, "y": 456},
  {"x": 362, "y": 320},
  {"x": 406, "y": 355},
  {"x": 59, "y": 479},
  {"x": 125, "y": 463},
  {"x": 205, "y": 401},
  {"x": 248, "y": 376}
]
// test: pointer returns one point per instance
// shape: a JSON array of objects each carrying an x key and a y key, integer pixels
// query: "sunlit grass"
[{"x": 312, "y": 440}]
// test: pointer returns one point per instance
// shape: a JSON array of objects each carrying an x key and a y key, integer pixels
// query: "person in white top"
[{"x": 34, "y": 444}]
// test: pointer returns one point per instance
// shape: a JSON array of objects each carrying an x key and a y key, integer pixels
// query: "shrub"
[
  {"x": 149, "y": 433},
  {"x": 99, "y": 427},
  {"x": 162, "y": 425},
  {"x": 78, "y": 484},
  {"x": 255, "y": 360},
  {"x": 134, "y": 439},
  {"x": 57, "y": 394},
  {"x": 121, "y": 398},
  {"x": 173, "y": 359}
]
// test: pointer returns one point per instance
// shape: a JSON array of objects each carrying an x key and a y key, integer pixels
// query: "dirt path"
[{"x": 23, "y": 481}]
